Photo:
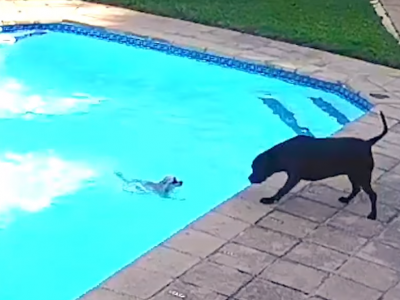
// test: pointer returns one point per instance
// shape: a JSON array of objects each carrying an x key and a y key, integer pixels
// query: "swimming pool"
[{"x": 77, "y": 104}]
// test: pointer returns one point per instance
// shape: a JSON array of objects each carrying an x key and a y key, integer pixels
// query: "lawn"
[{"x": 347, "y": 27}]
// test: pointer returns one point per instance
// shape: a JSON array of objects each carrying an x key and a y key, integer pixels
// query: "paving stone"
[
  {"x": 103, "y": 294},
  {"x": 391, "y": 180},
  {"x": 266, "y": 240},
  {"x": 361, "y": 206},
  {"x": 250, "y": 55},
  {"x": 294, "y": 275},
  {"x": 137, "y": 282},
  {"x": 336, "y": 239},
  {"x": 392, "y": 137},
  {"x": 374, "y": 118},
  {"x": 391, "y": 235},
  {"x": 307, "y": 209},
  {"x": 216, "y": 277},
  {"x": 381, "y": 254},
  {"x": 242, "y": 258},
  {"x": 340, "y": 183},
  {"x": 391, "y": 97},
  {"x": 330, "y": 75},
  {"x": 387, "y": 195},
  {"x": 274, "y": 183},
  {"x": 220, "y": 226},
  {"x": 359, "y": 129},
  {"x": 392, "y": 294},
  {"x": 324, "y": 194},
  {"x": 392, "y": 111},
  {"x": 247, "y": 210},
  {"x": 283, "y": 222},
  {"x": 317, "y": 256},
  {"x": 355, "y": 224},
  {"x": 396, "y": 169},
  {"x": 395, "y": 127},
  {"x": 359, "y": 82},
  {"x": 260, "y": 289},
  {"x": 194, "y": 242},
  {"x": 369, "y": 274},
  {"x": 338, "y": 288},
  {"x": 246, "y": 41},
  {"x": 179, "y": 289},
  {"x": 168, "y": 261},
  {"x": 385, "y": 162},
  {"x": 376, "y": 174},
  {"x": 386, "y": 148}
]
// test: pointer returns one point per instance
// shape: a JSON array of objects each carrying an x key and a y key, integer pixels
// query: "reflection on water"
[
  {"x": 31, "y": 182},
  {"x": 17, "y": 100},
  {"x": 12, "y": 38}
]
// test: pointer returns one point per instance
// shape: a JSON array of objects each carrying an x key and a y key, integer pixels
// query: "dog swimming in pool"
[{"x": 163, "y": 188}]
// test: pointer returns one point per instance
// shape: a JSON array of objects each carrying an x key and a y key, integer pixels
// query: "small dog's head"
[
  {"x": 169, "y": 183},
  {"x": 263, "y": 167}
]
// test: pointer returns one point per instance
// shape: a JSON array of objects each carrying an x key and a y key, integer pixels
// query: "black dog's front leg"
[{"x": 290, "y": 183}]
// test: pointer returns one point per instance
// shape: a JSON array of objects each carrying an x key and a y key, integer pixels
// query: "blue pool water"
[{"x": 74, "y": 109}]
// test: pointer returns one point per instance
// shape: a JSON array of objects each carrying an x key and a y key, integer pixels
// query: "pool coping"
[{"x": 172, "y": 269}]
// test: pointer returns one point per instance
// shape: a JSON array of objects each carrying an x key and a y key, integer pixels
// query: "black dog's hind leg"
[
  {"x": 366, "y": 186},
  {"x": 372, "y": 197},
  {"x": 354, "y": 191},
  {"x": 363, "y": 180},
  {"x": 290, "y": 183}
]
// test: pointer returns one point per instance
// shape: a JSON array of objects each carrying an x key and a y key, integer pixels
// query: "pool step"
[{"x": 301, "y": 119}]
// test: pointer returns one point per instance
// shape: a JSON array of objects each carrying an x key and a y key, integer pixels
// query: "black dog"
[{"x": 308, "y": 158}]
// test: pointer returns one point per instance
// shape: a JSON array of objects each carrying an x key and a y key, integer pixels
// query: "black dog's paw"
[
  {"x": 267, "y": 200},
  {"x": 372, "y": 216},
  {"x": 344, "y": 200}
]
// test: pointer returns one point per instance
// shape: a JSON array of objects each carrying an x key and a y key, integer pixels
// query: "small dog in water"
[
  {"x": 164, "y": 188},
  {"x": 312, "y": 159}
]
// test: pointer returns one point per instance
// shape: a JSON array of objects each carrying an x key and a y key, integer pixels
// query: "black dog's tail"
[{"x": 374, "y": 140}]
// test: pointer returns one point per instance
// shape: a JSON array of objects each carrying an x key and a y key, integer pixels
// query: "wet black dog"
[{"x": 308, "y": 158}]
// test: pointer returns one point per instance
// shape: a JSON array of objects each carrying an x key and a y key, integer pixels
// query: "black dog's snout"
[
  {"x": 254, "y": 178},
  {"x": 251, "y": 178}
]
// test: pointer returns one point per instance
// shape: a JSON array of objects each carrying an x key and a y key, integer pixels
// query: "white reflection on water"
[{"x": 30, "y": 182}]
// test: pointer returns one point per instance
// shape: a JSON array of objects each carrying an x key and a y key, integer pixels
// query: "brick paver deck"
[{"x": 307, "y": 247}]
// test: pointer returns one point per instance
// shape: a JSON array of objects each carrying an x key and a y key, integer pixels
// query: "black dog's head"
[{"x": 263, "y": 166}]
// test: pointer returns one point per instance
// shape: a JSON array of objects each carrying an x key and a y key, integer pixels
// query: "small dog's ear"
[{"x": 166, "y": 181}]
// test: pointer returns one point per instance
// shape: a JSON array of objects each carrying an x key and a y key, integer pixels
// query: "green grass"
[{"x": 347, "y": 27}]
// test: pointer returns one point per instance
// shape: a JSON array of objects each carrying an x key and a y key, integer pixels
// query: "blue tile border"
[{"x": 147, "y": 43}]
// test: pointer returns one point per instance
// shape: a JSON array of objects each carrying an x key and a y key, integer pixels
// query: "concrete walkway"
[
  {"x": 307, "y": 247},
  {"x": 392, "y": 8}
]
